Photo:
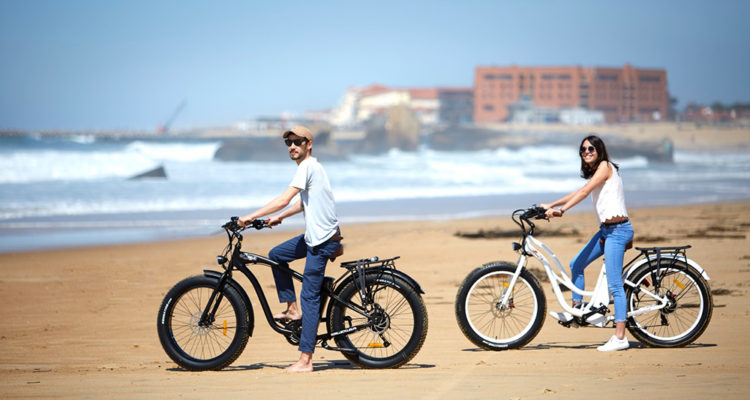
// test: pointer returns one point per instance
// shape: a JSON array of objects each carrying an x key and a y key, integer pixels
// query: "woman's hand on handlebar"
[{"x": 551, "y": 212}]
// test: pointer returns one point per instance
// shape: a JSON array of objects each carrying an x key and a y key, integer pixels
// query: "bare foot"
[
  {"x": 304, "y": 364},
  {"x": 292, "y": 312},
  {"x": 299, "y": 366},
  {"x": 288, "y": 315}
]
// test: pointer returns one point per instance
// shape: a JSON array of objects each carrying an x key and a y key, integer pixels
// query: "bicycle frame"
[
  {"x": 598, "y": 298},
  {"x": 354, "y": 269},
  {"x": 593, "y": 311}
]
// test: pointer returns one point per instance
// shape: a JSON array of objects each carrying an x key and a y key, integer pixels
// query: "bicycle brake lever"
[{"x": 259, "y": 224}]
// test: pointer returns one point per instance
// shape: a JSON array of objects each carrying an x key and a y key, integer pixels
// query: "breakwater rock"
[{"x": 158, "y": 172}]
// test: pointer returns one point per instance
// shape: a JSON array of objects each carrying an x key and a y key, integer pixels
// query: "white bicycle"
[{"x": 502, "y": 306}]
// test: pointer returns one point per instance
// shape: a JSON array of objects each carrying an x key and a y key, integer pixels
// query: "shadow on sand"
[
  {"x": 560, "y": 345},
  {"x": 317, "y": 366}
]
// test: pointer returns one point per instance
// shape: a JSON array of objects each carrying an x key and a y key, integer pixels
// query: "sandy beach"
[{"x": 81, "y": 323}]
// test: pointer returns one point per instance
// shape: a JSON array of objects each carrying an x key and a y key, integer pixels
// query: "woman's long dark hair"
[{"x": 601, "y": 155}]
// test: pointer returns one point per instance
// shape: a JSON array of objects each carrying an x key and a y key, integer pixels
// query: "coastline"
[
  {"x": 688, "y": 136},
  {"x": 61, "y": 229},
  {"x": 80, "y": 231},
  {"x": 84, "y": 319}
]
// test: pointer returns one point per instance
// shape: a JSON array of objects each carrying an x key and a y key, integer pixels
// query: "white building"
[
  {"x": 581, "y": 116},
  {"x": 360, "y": 104}
]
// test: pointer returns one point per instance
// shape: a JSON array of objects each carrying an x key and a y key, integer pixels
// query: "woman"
[{"x": 615, "y": 231}]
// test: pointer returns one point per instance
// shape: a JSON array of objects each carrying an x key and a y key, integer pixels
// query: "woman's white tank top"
[{"x": 609, "y": 198}]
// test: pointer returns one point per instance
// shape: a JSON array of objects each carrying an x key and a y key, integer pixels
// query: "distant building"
[
  {"x": 428, "y": 105},
  {"x": 716, "y": 113},
  {"x": 525, "y": 111},
  {"x": 580, "y": 116},
  {"x": 456, "y": 105},
  {"x": 621, "y": 94}
]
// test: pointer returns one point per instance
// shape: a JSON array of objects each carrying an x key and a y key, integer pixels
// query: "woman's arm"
[
  {"x": 556, "y": 203},
  {"x": 603, "y": 172}
]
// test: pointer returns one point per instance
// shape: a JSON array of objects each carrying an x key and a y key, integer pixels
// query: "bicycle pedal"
[
  {"x": 562, "y": 317},
  {"x": 570, "y": 324},
  {"x": 597, "y": 320}
]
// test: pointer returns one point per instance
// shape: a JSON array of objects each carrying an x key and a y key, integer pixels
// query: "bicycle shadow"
[
  {"x": 317, "y": 366},
  {"x": 586, "y": 346}
]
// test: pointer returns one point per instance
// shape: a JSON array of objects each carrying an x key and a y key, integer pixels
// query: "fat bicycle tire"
[
  {"x": 489, "y": 327},
  {"x": 400, "y": 322},
  {"x": 685, "y": 318},
  {"x": 197, "y": 348}
]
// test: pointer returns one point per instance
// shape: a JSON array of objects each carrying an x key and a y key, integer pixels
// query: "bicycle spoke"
[
  {"x": 679, "y": 317},
  {"x": 489, "y": 317},
  {"x": 202, "y": 342}
]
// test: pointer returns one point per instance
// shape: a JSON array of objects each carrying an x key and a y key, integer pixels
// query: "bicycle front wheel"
[
  {"x": 397, "y": 317},
  {"x": 195, "y": 346},
  {"x": 489, "y": 324},
  {"x": 686, "y": 314}
]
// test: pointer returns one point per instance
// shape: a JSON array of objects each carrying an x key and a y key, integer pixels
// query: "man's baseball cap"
[{"x": 300, "y": 131}]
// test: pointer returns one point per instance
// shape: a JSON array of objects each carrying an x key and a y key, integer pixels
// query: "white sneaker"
[{"x": 614, "y": 344}]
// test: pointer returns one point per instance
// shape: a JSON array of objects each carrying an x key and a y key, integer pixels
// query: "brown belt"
[{"x": 611, "y": 224}]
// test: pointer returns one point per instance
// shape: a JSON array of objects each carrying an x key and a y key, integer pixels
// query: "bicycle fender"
[
  {"x": 387, "y": 271},
  {"x": 690, "y": 262},
  {"x": 403, "y": 276},
  {"x": 236, "y": 286}
]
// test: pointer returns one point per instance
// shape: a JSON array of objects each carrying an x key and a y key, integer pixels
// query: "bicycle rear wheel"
[
  {"x": 197, "y": 347},
  {"x": 488, "y": 324},
  {"x": 398, "y": 320},
  {"x": 685, "y": 317}
]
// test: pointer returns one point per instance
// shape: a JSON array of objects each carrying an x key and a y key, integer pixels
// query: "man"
[{"x": 319, "y": 243}]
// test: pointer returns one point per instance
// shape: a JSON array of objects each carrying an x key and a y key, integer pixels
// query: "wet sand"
[{"x": 81, "y": 323}]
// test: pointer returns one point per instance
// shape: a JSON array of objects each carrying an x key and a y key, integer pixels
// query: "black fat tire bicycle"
[{"x": 374, "y": 312}]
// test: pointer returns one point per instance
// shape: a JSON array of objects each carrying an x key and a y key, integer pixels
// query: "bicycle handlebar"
[
  {"x": 524, "y": 217},
  {"x": 234, "y": 226},
  {"x": 534, "y": 212}
]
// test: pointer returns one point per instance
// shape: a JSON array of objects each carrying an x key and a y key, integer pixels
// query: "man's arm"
[
  {"x": 294, "y": 209},
  {"x": 279, "y": 203}
]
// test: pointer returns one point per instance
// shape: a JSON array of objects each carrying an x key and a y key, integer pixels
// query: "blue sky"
[{"x": 88, "y": 65}]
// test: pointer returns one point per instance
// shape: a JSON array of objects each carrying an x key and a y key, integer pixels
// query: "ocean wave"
[
  {"x": 183, "y": 152},
  {"x": 82, "y": 177},
  {"x": 50, "y": 165},
  {"x": 44, "y": 165}
]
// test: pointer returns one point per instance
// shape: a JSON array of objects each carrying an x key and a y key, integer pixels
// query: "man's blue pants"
[{"x": 315, "y": 266}]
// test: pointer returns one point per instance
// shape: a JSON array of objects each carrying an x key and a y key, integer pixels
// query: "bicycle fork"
[
  {"x": 506, "y": 298},
  {"x": 209, "y": 312}
]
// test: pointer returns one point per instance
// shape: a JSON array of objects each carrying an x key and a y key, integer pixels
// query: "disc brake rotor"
[{"x": 195, "y": 326}]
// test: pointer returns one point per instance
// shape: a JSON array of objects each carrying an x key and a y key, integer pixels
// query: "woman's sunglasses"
[
  {"x": 590, "y": 149},
  {"x": 297, "y": 142}
]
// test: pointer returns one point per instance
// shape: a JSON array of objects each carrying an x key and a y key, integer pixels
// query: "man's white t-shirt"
[{"x": 318, "y": 204}]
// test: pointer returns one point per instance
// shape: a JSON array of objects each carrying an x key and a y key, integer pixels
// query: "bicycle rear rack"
[
  {"x": 653, "y": 256},
  {"x": 373, "y": 262}
]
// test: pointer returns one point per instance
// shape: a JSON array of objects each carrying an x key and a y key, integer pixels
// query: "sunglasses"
[
  {"x": 590, "y": 149},
  {"x": 297, "y": 142}
]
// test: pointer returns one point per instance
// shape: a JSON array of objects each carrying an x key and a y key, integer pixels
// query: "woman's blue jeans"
[
  {"x": 616, "y": 238},
  {"x": 315, "y": 267}
]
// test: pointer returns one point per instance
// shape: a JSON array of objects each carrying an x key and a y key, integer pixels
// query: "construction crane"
[{"x": 165, "y": 128}]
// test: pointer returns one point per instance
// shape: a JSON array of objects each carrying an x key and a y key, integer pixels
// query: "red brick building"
[{"x": 622, "y": 94}]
